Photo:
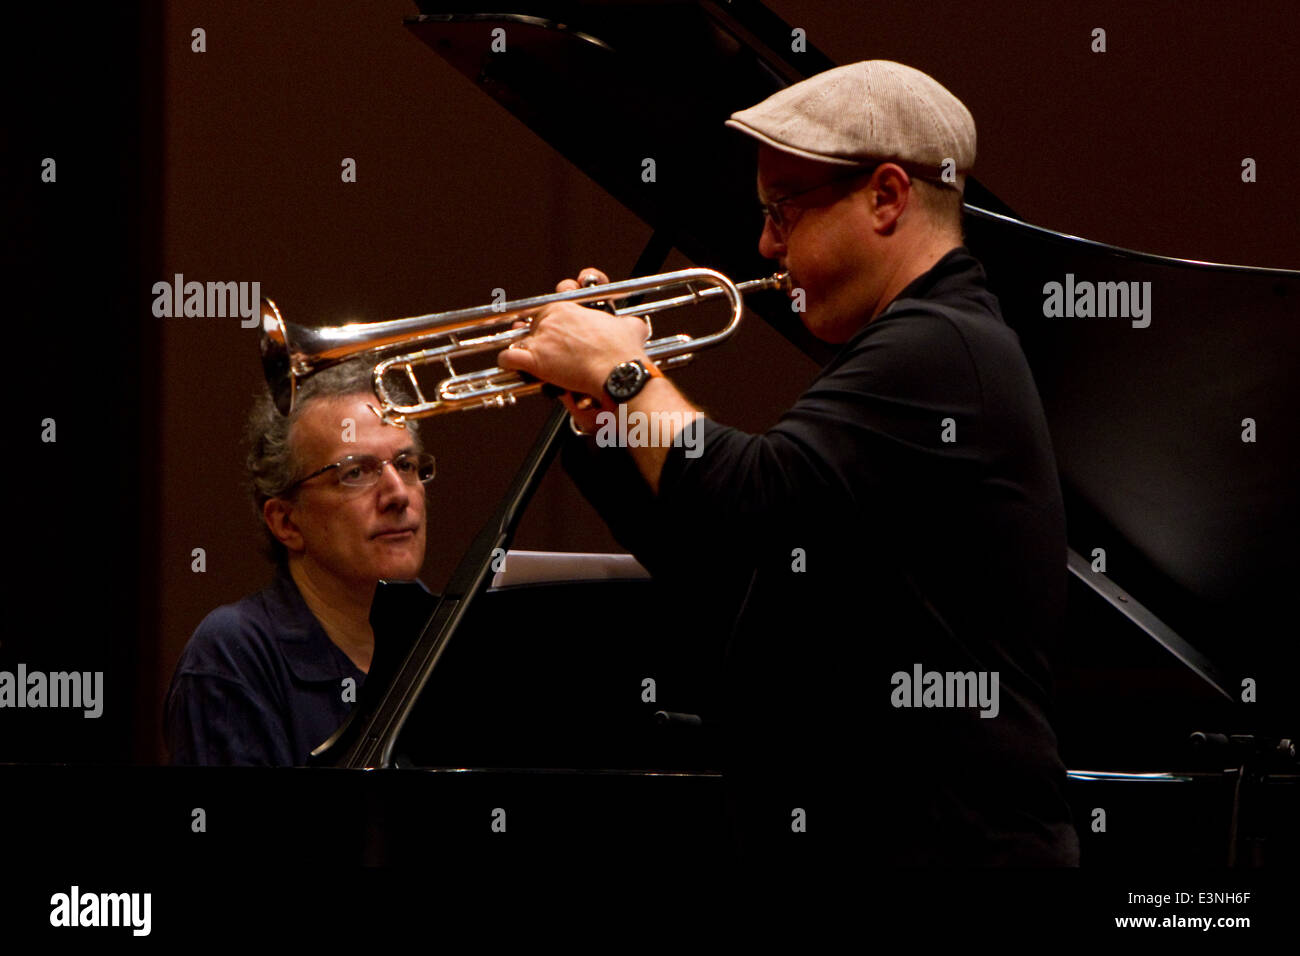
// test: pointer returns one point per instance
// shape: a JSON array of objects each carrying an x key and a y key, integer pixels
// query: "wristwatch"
[{"x": 628, "y": 378}]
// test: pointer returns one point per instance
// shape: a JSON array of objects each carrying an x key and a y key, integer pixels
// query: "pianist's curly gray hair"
[{"x": 273, "y": 464}]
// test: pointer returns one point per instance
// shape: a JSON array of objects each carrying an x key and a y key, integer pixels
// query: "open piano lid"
[{"x": 1147, "y": 420}]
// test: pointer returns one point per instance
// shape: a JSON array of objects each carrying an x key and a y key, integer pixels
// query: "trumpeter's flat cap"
[{"x": 872, "y": 110}]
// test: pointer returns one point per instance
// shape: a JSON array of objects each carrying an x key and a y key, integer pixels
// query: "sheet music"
[{"x": 541, "y": 567}]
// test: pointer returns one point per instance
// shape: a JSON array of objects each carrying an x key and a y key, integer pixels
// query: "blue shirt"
[{"x": 259, "y": 684}]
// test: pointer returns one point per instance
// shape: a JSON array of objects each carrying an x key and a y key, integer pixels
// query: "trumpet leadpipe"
[{"x": 780, "y": 280}]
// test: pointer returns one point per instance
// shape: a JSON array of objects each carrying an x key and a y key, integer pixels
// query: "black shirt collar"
[
  {"x": 956, "y": 263},
  {"x": 956, "y": 269}
]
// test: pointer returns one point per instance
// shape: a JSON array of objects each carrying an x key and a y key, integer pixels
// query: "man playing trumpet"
[{"x": 901, "y": 527}]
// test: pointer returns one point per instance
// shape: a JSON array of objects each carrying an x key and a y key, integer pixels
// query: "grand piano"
[
  {"x": 1178, "y": 682},
  {"x": 1177, "y": 526}
]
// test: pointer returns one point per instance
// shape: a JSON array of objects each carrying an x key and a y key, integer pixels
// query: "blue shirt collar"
[{"x": 308, "y": 650}]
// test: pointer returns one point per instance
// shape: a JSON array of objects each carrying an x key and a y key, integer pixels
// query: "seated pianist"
[{"x": 266, "y": 680}]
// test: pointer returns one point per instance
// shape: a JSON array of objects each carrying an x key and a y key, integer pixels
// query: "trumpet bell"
[{"x": 273, "y": 342}]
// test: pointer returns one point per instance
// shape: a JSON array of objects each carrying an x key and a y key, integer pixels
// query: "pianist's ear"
[{"x": 278, "y": 515}]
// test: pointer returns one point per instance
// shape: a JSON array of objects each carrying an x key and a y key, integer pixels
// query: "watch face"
[{"x": 623, "y": 382}]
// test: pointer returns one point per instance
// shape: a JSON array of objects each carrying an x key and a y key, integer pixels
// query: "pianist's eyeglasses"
[{"x": 361, "y": 471}]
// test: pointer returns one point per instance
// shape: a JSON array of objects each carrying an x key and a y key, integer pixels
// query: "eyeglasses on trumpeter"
[{"x": 772, "y": 209}]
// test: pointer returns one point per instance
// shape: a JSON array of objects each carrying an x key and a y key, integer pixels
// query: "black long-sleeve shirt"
[{"x": 903, "y": 518}]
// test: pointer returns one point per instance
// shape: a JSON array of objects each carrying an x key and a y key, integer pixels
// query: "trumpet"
[{"x": 292, "y": 353}]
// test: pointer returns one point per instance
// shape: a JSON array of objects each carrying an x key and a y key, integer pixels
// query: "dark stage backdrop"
[{"x": 226, "y": 165}]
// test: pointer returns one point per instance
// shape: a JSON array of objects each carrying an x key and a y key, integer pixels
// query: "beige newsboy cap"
[{"x": 872, "y": 110}]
